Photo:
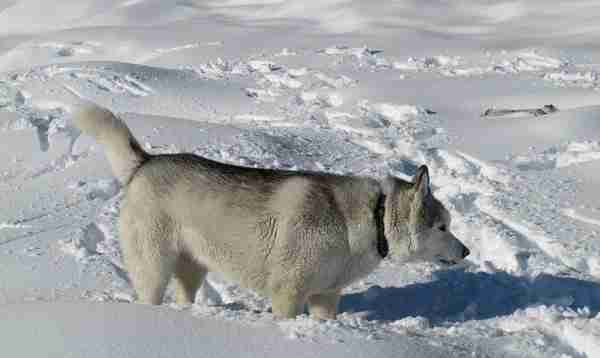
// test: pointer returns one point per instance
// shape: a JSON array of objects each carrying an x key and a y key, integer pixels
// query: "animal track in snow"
[
  {"x": 114, "y": 82},
  {"x": 487, "y": 206},
  {"x": 49, "y": 120},
  {"x": 46, "y": 122},
  {"x": 97, "y": 241},
  {"x": 528, "y": 238},
  {"x": 103, "y": 78}
]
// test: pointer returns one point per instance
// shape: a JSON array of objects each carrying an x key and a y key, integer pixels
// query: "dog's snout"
[{"x": 465, "y": 252}]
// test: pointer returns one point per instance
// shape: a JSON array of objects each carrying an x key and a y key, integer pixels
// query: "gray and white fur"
[{"x": 298, "y": 237}]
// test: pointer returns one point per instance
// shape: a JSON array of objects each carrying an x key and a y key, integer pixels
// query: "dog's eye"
[{"x": 442, "y": 228}]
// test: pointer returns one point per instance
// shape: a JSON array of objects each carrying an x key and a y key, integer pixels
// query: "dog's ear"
[{"x": 421, "y": 181}]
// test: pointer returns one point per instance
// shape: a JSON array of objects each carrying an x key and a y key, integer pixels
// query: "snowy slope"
[
  {"x": 352, "y": 87},
  {"x": 117, "y": 330}
]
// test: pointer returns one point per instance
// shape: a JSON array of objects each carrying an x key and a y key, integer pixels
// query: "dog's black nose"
[{"x": 465, "y": 252}]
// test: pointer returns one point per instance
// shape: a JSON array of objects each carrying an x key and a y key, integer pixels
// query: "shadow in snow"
[{"x": 457, "y": 295}]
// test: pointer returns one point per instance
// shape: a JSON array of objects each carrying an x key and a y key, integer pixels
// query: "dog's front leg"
[
  {"x": 324, "y": 306},
  {"x": 287, "y": 304}
]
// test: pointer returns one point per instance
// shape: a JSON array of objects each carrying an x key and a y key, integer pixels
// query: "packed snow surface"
[{"x": 343, "y": 86}]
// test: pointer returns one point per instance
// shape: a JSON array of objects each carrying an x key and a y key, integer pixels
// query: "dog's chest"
[{"x": 364, "y": 257}]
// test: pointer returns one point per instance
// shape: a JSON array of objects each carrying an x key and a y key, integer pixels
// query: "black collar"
[{"x": 382, "y": 244}]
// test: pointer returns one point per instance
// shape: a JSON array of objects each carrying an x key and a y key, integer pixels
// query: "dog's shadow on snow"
[{"x": 457, "y": 295}]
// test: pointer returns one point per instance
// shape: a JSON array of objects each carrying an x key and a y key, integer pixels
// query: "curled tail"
[{"x": 124, "y": 153}]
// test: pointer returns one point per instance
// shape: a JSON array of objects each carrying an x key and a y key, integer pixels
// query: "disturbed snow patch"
[
  {"x": 503, "y": 63},
  {"x": 559, "y": 156},
  {"x": 85, "y": 245},
  {"x": 362, "y": 57},
  {"x": 587, "y": 79}
]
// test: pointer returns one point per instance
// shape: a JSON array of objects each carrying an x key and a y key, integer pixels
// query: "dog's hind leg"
[
  {"x": 189, "y": 276},
  {"x": 324, "y": 306},
  {"x": 149, "y": 258},
  {"x": 150, "y": 277}
]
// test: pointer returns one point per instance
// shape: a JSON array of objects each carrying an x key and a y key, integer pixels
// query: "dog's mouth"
[{"x": 447, "y": 262}]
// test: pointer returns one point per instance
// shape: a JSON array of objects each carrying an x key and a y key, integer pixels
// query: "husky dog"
[{"x": 298, "y": 237}]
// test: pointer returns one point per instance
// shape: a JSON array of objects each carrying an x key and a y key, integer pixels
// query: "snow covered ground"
[{"x": 344, "y": 86}]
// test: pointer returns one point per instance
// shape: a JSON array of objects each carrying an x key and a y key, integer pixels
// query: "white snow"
[{"x": 344, "y": 86}]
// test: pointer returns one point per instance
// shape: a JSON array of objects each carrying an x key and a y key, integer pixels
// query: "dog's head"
[{"x": 417, "y": 225}]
